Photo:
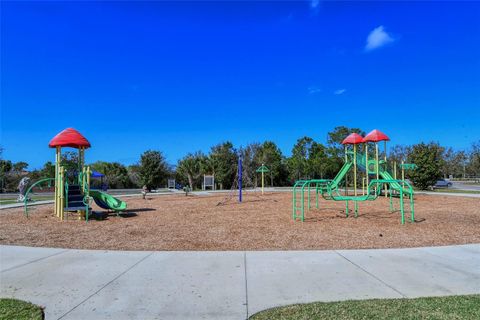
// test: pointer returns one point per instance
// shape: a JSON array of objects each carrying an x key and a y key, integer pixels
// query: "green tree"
[
  {"x": 134, "y": 175},
  {"x": 153, "y": 169},
  {"x": 191, "y": 167},
  {"x": 116, "y": 174},
  {"x": 454, "y": 163},
  {"x": 297, "y": 163},
  {"x": 5, "y": 166},
  {"x": 250, "y": 163},
  {"x": 473, "y": 167},
  {"x": 397, "y": 154},
  {"x": 271, "y": 155},
  {"x": 223, "y": 163},
  {"x": 69, "y": 161},
  {"x": 5, "y": 169},
  {"x": 428, "y": 158},
  {"x": 318, "y": 161},
  {"x": 20, "y": 166},
  {"x": 48, "y": 170},
  {"x": 335, "y": 150},
  {"x": 336, "y": 136}
]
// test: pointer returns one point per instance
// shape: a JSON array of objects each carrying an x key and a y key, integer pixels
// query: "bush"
[{"x": 429, "y": 161}]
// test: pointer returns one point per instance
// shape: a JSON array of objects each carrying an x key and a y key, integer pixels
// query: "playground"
[
  {"x": 176, "y": 222},
  {"x": 247, "y": 235},
  {"x": 314, "y": 214}
]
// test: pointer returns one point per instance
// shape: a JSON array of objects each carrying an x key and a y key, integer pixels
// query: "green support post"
[
  {"x": 412, "y": 214},
  {"x": 308, "y": 195},
  {"x": 303, "y": 203},
  {"x": 401, "y": 206}
]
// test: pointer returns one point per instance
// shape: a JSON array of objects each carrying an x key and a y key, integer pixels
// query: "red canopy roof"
[
  {"x": 353, "y": 138},
  {"x": 69, "y": 138},
  {"x": 375, "y": 136}
]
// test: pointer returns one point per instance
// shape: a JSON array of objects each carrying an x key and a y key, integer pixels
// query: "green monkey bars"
[
  {"x": 325, "y": 189},
  {"x": 329, "y": 189}
]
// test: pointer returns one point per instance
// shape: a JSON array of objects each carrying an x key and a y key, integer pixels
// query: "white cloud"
[
  {"x": 314, "y": 89},
  {"x": 339, "y": 91},
  {"x": 314, "y": 4},
  {"x": 377, "y": 38}
]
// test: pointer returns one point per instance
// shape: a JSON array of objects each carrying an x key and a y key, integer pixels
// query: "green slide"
[
  {"x": 106, "y": 201},
  {"x": 394, "y": 185},
  {"x": 339, "y": 177}
]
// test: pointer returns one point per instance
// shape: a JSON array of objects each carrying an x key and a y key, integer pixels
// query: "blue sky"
[{"x": 182, "y": 76}]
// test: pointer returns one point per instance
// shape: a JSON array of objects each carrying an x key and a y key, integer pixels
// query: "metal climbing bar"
[
  {"x": 25, "y": 200},
  {"x": 329, "y": 191}
]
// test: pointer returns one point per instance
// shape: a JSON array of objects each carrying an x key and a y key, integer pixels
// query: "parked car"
[{"x": 442, "y": 183}]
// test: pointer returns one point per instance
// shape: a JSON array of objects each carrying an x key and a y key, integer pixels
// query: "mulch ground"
[{"x": 176, "y": 222}]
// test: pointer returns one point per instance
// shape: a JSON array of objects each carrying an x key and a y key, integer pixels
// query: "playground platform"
[{"x": 91, "y": 284}]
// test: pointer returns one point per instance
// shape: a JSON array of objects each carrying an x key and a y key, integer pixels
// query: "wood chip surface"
[{"x": 176, "y": 222}]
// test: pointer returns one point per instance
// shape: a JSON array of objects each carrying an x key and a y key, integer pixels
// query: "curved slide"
[{"x": 106, "y": 201}]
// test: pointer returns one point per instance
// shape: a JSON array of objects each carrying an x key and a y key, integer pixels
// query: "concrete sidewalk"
[{"x": 86, "y": 284}]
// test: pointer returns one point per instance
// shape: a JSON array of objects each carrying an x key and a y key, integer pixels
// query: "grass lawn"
[
  {"x": 19, "y": 310},
  {"x": 456, "y": 191},
  {"x": 452, "y": 307},
  {"x": 34, "y": 198}
]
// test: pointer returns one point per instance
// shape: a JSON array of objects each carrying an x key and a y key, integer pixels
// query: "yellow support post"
[
  {"x": 355, "y": 169},
  {"x": 62, "y": 193},
  {"x": 395, "y": 170},
  {"x": 366, "y": 162},
  {"x": 376, "y": 159},
  {"x": 88, "y": 180},
  {"x": 57, "y": 181},
  {"x": 262, "y": 179},
  {"x": 386, "y": 167},
  {"x": 346, "y": 175},
  {"x": 82, "y": 183}
]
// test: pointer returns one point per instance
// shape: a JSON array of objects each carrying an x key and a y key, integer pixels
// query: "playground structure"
[
  {"x": 72, "y": 189},
  {"x": 371, "y": 190},
  {"x": 263, "y": 169},
  {"x": 241, "y": 181}
]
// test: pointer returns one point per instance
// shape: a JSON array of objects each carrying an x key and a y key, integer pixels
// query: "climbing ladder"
[{"x": 301, "y": 186}]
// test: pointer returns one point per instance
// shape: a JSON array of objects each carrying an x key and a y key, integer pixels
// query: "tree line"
[{"x": 309, "y": 159}]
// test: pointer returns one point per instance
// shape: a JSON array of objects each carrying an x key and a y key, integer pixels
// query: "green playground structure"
[
  {"x": 330, "y": 189},
  {"x": 74, "y": 194},
  {"x": 108, "y": 202}
]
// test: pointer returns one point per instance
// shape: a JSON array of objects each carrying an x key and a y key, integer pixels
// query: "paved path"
[{"x": 86, "y": 284}]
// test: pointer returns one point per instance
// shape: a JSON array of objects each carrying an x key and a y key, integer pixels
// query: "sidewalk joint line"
[
  {"x": 33, "y": 261},
  {"x": 246, "y": 281},
  {"x": 371, "y": 274},
  {"x": 107, "y": 284}
]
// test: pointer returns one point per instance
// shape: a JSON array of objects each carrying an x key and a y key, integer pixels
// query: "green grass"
[
  {"x": 19, "y": 310},
  {"x": 14, "y": 200},
  {"x": 452, "y": 307},
  {"x": 456, "y": 191}
]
